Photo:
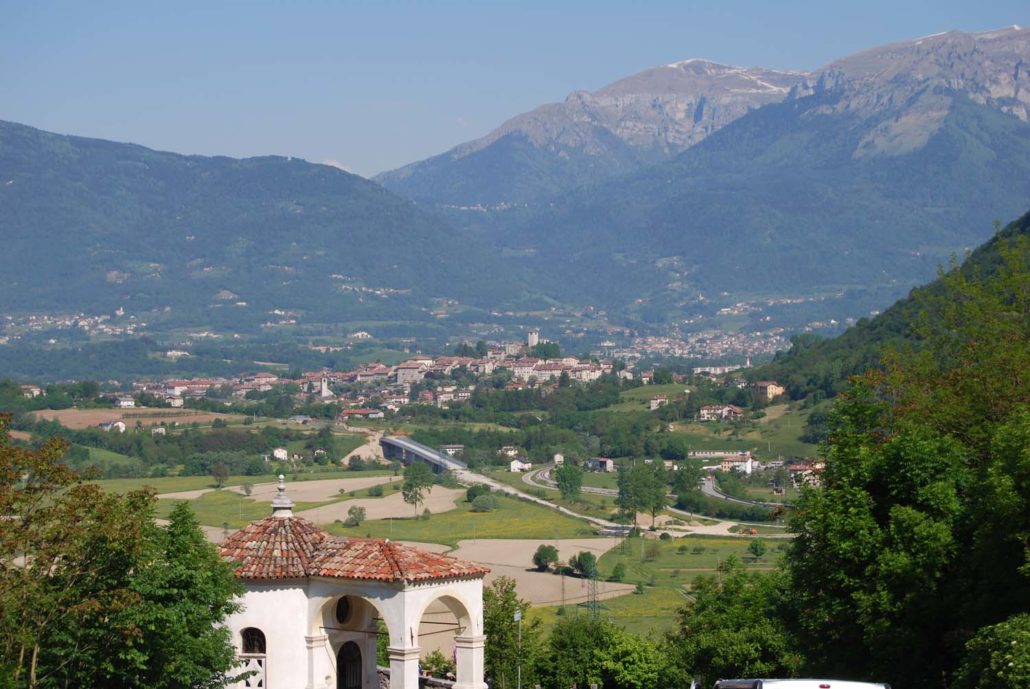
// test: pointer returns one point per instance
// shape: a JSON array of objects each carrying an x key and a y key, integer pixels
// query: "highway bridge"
[{"x": 407, "y": 451}]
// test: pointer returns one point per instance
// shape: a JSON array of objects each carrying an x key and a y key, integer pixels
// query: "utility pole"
[{"x": 518, "y": 618}]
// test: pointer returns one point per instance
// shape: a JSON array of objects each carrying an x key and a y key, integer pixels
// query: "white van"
[{"x": 796, "y": 684}]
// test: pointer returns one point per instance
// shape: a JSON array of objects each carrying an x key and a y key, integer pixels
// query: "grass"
[
  {"x": 222, "y": 507},
  {"x": 513, "y": 519},
  {"x": 667, "y": 575},
  {"x": 99, "y": 454},
  {"x": 176, "y": 484},
  {"x": 601, "y": 479},
  {"x": 639, "y": 399},
  {"x": 589, "y": 504}
]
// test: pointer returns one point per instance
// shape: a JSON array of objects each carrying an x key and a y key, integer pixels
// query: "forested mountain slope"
[
  {"x": 822, "y": 366},
  {"x": 91, "y": 225}
]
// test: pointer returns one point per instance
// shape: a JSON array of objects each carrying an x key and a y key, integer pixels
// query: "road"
[{"x": 541, "y": 478}]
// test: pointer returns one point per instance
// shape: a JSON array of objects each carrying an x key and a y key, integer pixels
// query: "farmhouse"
[
  {"x": 312, "y": 602},
  {"x": 768, "y": 390},
  {"x": 517, "y": 465},
  {"x": 720, "y": 412}
]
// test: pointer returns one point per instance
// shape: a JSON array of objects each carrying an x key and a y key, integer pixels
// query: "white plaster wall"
[{"x": 278, "y": 610}]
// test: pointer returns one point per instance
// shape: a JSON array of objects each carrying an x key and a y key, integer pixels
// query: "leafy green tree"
[
  {"x": 919, "y": 534},
  {"x": 586, "y": 650},
  {"x": 546, "y": 350},
  {"x": 93, "y": 593},
  {"x": 629, "y": 661},
  {"x": 731, "y": 628},
  {"x": 757, "y": 548},
  {"x": 502, "y": 653},
  {"x": 998, "y": 656},
  {"x": 185, "y": 594},
  {"x": 220, "y": 473},
  {"x": 355, "y": 515},
  {"x": 662, "y": 376},
  {"x": 418, "y": 480},
  {"x": 585, "y": 563},
  {"x": 570, "y": 481},
  {"x": 545, "y": 556}
]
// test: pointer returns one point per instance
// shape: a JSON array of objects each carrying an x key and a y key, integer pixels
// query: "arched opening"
[
  {"x": 444, "y": 621},
  {"x": 348, "y": 667},
  {"x": 253, "y": 657}
]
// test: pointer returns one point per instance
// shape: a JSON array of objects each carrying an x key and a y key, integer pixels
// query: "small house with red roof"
[{"x": 314, "y": 603}]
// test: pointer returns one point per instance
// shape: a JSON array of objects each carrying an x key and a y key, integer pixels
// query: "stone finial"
[{"x": 282, "y": 506}]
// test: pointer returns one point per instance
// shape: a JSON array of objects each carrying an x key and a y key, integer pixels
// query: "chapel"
[{"x": 315, "y": 604}]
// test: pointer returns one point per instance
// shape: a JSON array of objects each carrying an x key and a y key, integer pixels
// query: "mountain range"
[
  {"x": 661, "y": 199},
  {"x": 658, "y": 113}
]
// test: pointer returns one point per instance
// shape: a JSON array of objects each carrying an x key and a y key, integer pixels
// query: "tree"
[
  {"x": 998, "y": 656},
  {"x": 545, "y": 556},
  {"x": 731, "y": 629},
  {"x": 585, "y": 563},
  {"x": 220, "y": 473},
  {"x": 418, "y": 479},
  {"x": 662, "y": 376},
  {"x": 921, "y": 532},
  {"x": 355, "y": 515},
  {"x": 643, "y": 486},
  {"x": 586, "y": 650},
  {"x": 93, "y": 593},
  {"x": 570, "y": 481},
  {"x": 502, "y": 653},
  {"x": 756, "y": 548}
]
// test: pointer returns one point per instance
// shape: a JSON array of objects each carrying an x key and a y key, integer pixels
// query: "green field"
[
  {"x": 175, "y": 484},
  {"x": 638, "y": 399},
  {"x": 102, "y": 456},
  {"x": 513, "y": 519},
  {"x": 221, "y": 507},
  {"x": 588, "y": 504},
  {"x": 666, "y": 574},
  {"x": 775, "y": 435}
]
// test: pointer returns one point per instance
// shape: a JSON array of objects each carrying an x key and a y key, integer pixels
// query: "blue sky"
[{"x": 376, "y": 84}]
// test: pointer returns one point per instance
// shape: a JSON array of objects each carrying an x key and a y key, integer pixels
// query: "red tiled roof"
[
  {"x": 294, "y": 548},
  {"x": 381, "y": 560},
  {"x": 274, "y": 548}
]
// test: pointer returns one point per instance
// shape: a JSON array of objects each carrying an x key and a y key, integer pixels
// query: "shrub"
[
  {"x": 485, "y": 503},
  {"x": 355, "y": 515},
  {"x": 475, "y": 491},
  {"x": 665, "y": 536},
  {"x": 375, "y": 491},
  {"x": 682, "y": 549},
  {"x": 618, "y": 572},
  {"x": 425, "y": 515},
  {"x": 545, "y": 556}
]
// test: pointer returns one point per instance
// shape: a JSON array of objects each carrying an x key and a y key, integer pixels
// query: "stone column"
[
  {"x": 404, "y": 667},
  {"x": 320, "y": 662},
  {"x": 470, "y": 662}
]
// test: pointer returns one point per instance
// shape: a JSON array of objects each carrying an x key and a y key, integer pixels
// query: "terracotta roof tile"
[
  {"x": 294, "y": 548},
  {"x": 274, "y": 548},
  {"x": 381, "y": 560}
]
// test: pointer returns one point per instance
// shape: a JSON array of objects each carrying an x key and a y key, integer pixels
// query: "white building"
[
  {"x": 313, "y": 603},
  {"x": 517, "y": 465},
  {"x": 281, "y": 453}
]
